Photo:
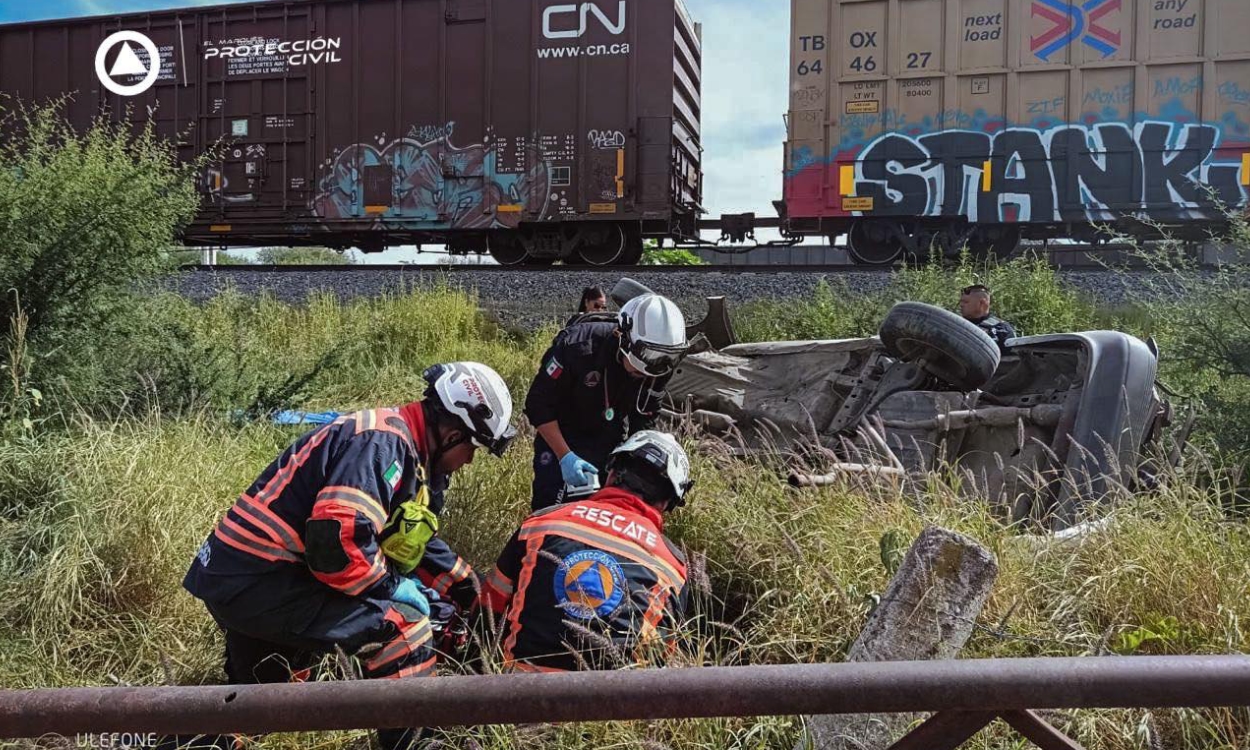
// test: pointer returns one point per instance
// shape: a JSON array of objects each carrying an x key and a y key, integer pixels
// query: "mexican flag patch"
[
  {"x": 554, "y": 369},
  {"x": 394, "y": 476}
]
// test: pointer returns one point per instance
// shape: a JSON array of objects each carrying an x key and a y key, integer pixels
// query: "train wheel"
[
  {"x": 633, "y": 249},
  {"x": 603, "y": 246},
  {"x": 875, "y": 242},
  {"x": 994, "y": 242},
  {"x": 507, "y": 249}
]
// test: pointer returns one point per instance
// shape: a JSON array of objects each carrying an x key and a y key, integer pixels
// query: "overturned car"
[{"x": 1041, "y": 429}]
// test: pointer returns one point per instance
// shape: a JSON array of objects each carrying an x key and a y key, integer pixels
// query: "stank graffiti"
[
  {"x": 1066, "y": 173},
  {"x": 432, "y": 183}
]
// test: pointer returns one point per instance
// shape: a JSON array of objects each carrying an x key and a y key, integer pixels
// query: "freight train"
[{"x": 538, "y": 130}]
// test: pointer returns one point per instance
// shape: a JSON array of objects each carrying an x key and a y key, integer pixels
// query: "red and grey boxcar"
[
  {"x": 922, "y": 123},
  {"x": 535, "y": 129}
]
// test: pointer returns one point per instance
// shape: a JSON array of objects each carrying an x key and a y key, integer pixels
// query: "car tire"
[
  {"x": 626, "y": 289},
  {"x": 952, "y": 349}
]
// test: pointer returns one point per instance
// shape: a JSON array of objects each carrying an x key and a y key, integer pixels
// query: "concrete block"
[{"x": 927, "y": 612}]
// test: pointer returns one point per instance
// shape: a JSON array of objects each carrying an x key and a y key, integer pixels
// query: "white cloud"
[{"x": 745, "y": 49}]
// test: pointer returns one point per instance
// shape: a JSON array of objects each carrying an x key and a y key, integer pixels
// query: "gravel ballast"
[{"x": 531, "y": 298}]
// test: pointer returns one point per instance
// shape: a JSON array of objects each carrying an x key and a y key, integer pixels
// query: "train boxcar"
[
  {"x": 920, "y": 124},
  {"x": 530, "y": 128}
]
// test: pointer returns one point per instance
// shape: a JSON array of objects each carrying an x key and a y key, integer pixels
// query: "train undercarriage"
[{"x": 870, "y": 241}]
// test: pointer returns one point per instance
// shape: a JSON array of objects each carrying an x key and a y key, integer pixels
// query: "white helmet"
[
  {"x": 477, "y": 397},
  {"x": 654, "y": 338},
  {"x": 664, "y": 454}
]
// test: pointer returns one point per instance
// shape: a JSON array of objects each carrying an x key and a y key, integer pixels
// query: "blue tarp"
[{"x": 305, "y": 417}]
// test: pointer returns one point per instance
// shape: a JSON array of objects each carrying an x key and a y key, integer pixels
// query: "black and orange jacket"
[
  {"x": 323, "y": 505},
  {"x": 587, "y": 584}
]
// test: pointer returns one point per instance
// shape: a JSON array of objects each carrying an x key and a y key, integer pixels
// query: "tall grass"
[{"x": 99, "y": 521}]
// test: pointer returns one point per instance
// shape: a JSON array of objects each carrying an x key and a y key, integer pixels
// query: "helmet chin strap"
[{"x": 640, "y": 400}]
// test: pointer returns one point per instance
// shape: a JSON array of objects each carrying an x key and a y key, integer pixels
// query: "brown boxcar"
[
  {"x": 916, "y": 123},
  {"x": 533, "y": 128}
]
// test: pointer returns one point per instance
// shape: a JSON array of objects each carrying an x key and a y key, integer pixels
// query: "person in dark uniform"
[
  {"x": 594, "y": 583},
  {"x": 974, "y": 306},
  {"x": 334, "y": 544},
  {"x": 598, "y": 383}
]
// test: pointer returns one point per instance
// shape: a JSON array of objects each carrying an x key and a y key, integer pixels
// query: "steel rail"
[{"x": 998, "y": 685}]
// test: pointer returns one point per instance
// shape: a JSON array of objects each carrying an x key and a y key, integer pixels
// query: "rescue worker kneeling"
[
  {"x": 597, "y": 578},
  {"x": 334, "y": 544}
]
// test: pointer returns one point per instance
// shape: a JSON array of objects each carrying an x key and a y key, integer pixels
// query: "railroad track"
[{"x": 1070, "y": 258}]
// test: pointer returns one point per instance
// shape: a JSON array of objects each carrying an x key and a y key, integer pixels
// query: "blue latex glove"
[
  {"x": 408, "y": 592},
  {"x": 576, "y": 472}
]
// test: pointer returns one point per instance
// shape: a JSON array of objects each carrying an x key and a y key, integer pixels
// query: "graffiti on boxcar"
[
  {"x": 430, "y": 181},
  {"x": 1232, "y": 93},
  {"x": 1065, "y": 173}
]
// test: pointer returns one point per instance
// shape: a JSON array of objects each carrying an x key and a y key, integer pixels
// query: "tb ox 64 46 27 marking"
[{"x": 1067, "y": 173}]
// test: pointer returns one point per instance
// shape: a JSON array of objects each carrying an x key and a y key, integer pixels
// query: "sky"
[{"x": 745, "y": 53}]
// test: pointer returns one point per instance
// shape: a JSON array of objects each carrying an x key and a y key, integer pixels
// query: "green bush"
[
  {"x": 1201, "y": 318},
  {"x": 176, "y": 258},
  {"x": 84, "y": 217},
  {"x": 654, "y": 255},
  {"x": 303, "y": 256}
]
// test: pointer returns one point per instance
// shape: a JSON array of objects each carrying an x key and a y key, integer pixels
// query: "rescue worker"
[
  {"x": 594, "y": 582},
  {"x": 974, "y": 306},
  {"x": 599, "y": 382},
  {"x": 334, "y": 544}
]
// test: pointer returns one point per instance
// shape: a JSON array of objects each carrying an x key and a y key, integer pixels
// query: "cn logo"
[
  {"x": 583, "y": 12},
  {"x": 127, "y": 64}
]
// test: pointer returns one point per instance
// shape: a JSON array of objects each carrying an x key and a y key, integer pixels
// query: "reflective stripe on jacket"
[{"x": 587, "y": 584}]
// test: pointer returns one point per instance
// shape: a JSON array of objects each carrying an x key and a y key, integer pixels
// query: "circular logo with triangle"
[{"x": 126, "y": 64}]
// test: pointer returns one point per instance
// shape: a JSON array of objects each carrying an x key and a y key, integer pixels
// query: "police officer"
[
  {"x": 334, "y": 544},
  {"x": 599, "y": 582},
  {"x": 599, "y": 381},
  {"x": 974, "y": 306}
]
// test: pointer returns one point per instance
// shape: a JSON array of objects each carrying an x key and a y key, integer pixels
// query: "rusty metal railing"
[{"x": 965, "y": 694}]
